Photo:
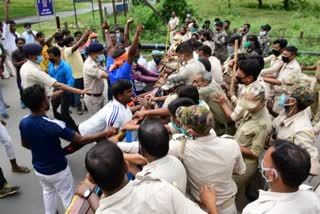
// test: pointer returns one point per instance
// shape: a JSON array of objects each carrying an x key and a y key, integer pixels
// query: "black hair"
[
  {"x": 189, "y": 91},
  {"x": 291, "y": 161},
  {"x": 154, "y": 138},
  {"x": 54, "y": 50},
  {"x": 39, "y": 34},
  {"x": 33, "y": 97},
  {"x": 292, "y": 49},
  {"x": 282, "y": 42},
  {"x": 65, "y": 32},
  {"x": 251, "y": 67},
  {"x": 180, "y": 101},
  {"x": 206, "y": 63},
  {"x": 20, "y": 39},
  {"x": 106, "y": 166},
  {"x": 233, "y": 38},
  {"x": 11, "y": 22},
  {"x": 120, "y": 86},
  {"x": 112, "y": 32},
  {"x": 217, "y": 20},
  {"x": 207, "y": 21},
  {"x": 207, "y": 35},
  {"x": 185, "y": 48},
  {"x": 227, "y": 21},
  {"x": 205, "y": 49},
  {"x": 77, "y": 33},
  {"x": 59, "y": 36},
  {"x": 256, "y": 42},
  {"x": 67, "y": 40},
  {"x": 121, "y": 29},
  {"x": 259, "y": 58},
  {"x": 247, "y": 24},
  {"x": 27, "y": 24},
  {"x": 118, "y": 52}
]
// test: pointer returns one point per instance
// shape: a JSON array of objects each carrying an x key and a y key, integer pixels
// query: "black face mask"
[
  {"x": 276, "y": 52},
  {"x": 20, "y": 48},
  {"x": 51, "y": 60},
  {"x": 239, "y": 80},
  {"x": 285, "y": 59}
]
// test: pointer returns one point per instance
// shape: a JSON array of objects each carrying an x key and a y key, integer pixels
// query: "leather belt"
[{"x": 94, "y": 95}]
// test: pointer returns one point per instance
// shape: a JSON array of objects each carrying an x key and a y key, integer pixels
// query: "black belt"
[{"x": 94, "y": 95}]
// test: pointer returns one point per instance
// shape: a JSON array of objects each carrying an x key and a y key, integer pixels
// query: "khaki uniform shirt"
[
  {"x": 187, "y": 72},
  {"x": 174, "y": 23},
  {"x": 298, "y": 130},
  {"x": 208, "y": 94},
  {"x": 276, "y": 64},
  {"x": 264, "y": 44},
  {"x": 148, "y": 195},
  {"x": 92, "y": 73},
  {"x": 168, "y": 168},
  {"x": 253, "y": 131},
  {"x": 210, "y": 160}
]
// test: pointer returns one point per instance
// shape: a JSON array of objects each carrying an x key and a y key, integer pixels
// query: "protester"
[
  {"x": 29, "y": 35},
  {"x": 5, "y": 188}
]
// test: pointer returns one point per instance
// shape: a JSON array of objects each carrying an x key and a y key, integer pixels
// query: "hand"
[
  {"x": 231, "y": 63},
  {"x": 208, "y": 197},
  {"x": 270, "y": 104},
  {"x": 221, "y": 99},
  {"x": 136, "y": 159},
  {"x": 140, "y": 115},
  {"x": 111, "y": 131},
  {"x": 87, "y": 33},
  {"x": 105, "y": 25},
  {"x": 84, "y": 91},
  {"x": 83, "y": 186},
  {"x": 3, "y": 122},
  {"x": 230, "y": 93},
  {"x": 130, "y": 125},
  {"x": 140, "y": 28},
  {"x": 130, "y": 20}
]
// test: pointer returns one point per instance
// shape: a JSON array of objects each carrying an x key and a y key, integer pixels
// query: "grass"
[
  {"x": 20, "y": 8},
  {"x": 288, "y": 23}
]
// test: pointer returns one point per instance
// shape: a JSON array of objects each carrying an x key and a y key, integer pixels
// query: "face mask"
[
  {"x": 118, "y": 35},
  {"x": 285, "y": 59},
  {"x": 182, "y": 130},
  {"x": 157, "y": 60},
  {"x": 263, "y": 33},
  {"x": 230, "y": 50},
  {"x": 93, "y": 40},
  {"x": 276, "y": 52},
  {"x": 135, "y": 59},
  {"x": 51, "y": 60},
  {"x": 29, "y": 30},
  {"x": 101, "y": 58},
  {"x": 39, "y": 59},
  {"x": 268, "y": 169},
  {"x": 20, "y": 48},
  {"x": 239, "y": 80},
  {"x": 193, "y": 30},
  {"x": 282, "y": 101},
  {"x": 247, "y": 44}
]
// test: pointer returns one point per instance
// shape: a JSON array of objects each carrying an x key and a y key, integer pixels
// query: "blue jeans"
[{"x": 78, "y": 83}]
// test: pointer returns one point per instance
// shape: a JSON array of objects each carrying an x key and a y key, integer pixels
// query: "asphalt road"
[{"x": 29, "y": 199}]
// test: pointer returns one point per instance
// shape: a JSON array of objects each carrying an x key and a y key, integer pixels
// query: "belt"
[
  {"x": 94, "y": 95},
  {"x": 227, "y": 203}
]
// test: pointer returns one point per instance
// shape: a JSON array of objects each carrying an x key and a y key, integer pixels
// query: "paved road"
[
  {"x": 29, "y": 199},
  {"x": 63, "y": 14}
]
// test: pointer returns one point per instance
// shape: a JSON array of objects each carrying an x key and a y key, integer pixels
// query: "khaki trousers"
[{"x": 93, "y": 104}]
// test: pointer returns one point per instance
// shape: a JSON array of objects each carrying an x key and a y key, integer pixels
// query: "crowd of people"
[{"x": 215, "y": 124}]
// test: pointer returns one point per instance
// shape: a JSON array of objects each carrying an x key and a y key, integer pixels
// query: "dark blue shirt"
[
  {"x": 123, "y": 72},
  {"x": 43, "y": 136},
  {"x": 62, "y": 73}
]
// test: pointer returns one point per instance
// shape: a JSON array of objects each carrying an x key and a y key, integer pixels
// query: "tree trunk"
[
  {"x": 260, "y": 4},
  {"x": 286, "y": 4}
]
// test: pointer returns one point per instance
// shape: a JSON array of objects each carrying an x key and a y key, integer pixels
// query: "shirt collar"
[
  {"x": 208, "y": 138},
  {"x": 265, "y": 196},
  {"x": 290, "y": 120},
  {"x": 155, "y": 163},
  {"x": 259, "y": 113},
  {"x": 116, "y": 197},
  {"x": 115, "y": 101}
]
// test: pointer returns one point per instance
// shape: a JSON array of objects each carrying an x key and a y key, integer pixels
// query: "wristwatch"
[{"x": 87, "y": 193}]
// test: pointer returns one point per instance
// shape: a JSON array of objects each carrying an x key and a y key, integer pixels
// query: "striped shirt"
[{"x": 114, "y": 113}]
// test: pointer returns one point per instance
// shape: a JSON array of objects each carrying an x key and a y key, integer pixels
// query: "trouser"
[
  {"x": 60, "y": 184},
  {"x": 2, "y": 103},
  {"x": 228, "y": 207},
  {"x": 78, "y": 83},
  {"x": 93, "y": 104},
  {"x": 8, "y": 66},
  {"x": 172, "y": 35},
  {"x": 19, "y": 83},
  {"x": 2, "y": 179},
  {"x": 64, "y": 100},
  {"x": 6, "y": 140},
  {"x": 242, "y": 182}
]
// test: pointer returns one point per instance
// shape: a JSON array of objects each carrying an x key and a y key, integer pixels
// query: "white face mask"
[
  {"x": 263, "y": 33},
  {"x": 263, "y": 169}
]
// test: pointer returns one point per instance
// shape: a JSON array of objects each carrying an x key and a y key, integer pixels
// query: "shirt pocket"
[{"x": 245, "y": 138}]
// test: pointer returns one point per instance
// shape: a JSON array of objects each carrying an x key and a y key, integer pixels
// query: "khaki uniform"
[
  {"x": 173, "y": 25},
  {"x": 298, "y": 130},
  {"x": 92, "y": 73},
  {"x": 287, "y": 70},
  {"x": 223, "y": 125},
  {"x": 211, "y": 152},
  {"x": 264, "y": 44},
  {"x": 187, "y": 72},
  {"x": 252, "y": 134},
  {"x": 316, "y": 106},
  {"x": 220, "y": 45}
]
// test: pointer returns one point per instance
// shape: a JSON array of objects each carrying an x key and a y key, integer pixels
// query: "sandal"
[{"x": 22, "y": 169}]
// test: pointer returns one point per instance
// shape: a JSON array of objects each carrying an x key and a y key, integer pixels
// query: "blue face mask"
[
  {"x": 101, "y": 58},
  {"x": 39, "y": 59},
  {"x": 182, "y": 130},
  {"x": 157, "y": 60},
  {"x": 282, "y": 101}
]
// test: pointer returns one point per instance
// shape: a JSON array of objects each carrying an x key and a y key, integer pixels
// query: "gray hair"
[{"x": 207, "y": 76}]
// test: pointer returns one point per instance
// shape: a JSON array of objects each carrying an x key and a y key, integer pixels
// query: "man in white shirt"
[
  {"x": 154, "y": 146},
  {"x": 116, "y": 113},
  {"x": 208, "y": 159},
  {"x": 31, "y": 73},
  {"x": 29, "y": 35},
  {"x": 285, "y": 167},
  {"x": 156, "y": 59},
  {"x": 173, "y": 25},
  {"x": 107, "y": 169}
]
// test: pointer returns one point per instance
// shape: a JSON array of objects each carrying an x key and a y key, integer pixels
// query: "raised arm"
[
  {"x": 134, "y": 46},
  {"x": 127, "y": 32},
  {"x": 83, "y": 39},
  {"x": 50, "y": 38},
  {"x": 6, "y": 11}
]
